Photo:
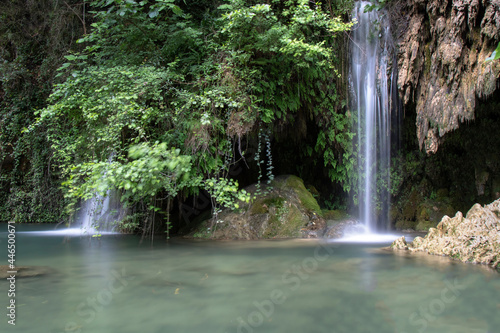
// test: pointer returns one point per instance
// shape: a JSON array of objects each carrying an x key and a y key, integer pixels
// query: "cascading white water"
[
  {"x": 370, "y": 82},
  {"x": 96, "y": 215},
  {"x": 99, "y": 214}
]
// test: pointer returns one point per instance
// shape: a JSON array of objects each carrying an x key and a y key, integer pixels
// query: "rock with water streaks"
[{"x": 442, "y": 50}]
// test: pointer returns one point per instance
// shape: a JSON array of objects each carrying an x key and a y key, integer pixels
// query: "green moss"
[
  {"x": 305, "y": 197},
  {"x": 442, "y": 193},
  {"x": 313, "y": 191},
  {"x": 274, "y": 201},
  {"x": 294, "y": 223},
  {"x": 405, "y": 224},
  {"x": 262, "y": 205},
  {"x": 425, "y": 225},
  {"x": 334, "y": 214},
  {"x": 424, "y": 213},
  {"x": 285, "y": 222}
]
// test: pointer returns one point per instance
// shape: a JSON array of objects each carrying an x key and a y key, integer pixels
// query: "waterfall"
[
  {"x": 98, "y": 214},
  {"x": 372, "y": 80}
]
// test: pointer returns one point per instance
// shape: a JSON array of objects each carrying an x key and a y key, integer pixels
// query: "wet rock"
[
  {"x": 474, "y": 238},
  {"x": 339, "y": 228},
  {"x": 400, "y": 244}
]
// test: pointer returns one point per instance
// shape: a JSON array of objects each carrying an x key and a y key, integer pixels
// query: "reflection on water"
[{"x": 116, "y": 285}]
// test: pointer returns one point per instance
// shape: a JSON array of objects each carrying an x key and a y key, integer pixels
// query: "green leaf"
[
  {"x": 64, "y": 66},
  {"x": 177, "y": 10}
]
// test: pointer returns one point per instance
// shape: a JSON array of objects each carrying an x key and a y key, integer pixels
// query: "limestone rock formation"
[
  {"x": 442, "y": 50},
  {"x": 474, "y": 238}
]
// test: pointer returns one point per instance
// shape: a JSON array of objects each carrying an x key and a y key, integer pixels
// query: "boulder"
[{"x": 284, "y": 209}]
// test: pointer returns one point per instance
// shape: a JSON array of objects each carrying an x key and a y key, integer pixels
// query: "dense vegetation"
[
  {"x": 160, "y": 99},
  {"x": 34, "y": 37}
]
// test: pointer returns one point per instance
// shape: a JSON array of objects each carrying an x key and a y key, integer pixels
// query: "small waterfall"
[
  {"x": 99, "y": 213},
  {"x": 372, "y": 80}
]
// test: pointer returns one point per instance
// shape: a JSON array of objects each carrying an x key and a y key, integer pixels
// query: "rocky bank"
[{"x": 474, "y": 238}]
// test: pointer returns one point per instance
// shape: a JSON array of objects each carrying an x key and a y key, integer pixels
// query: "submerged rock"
[
  {"x": 287, "y": 209},
  {"x": 474, "y": 238},
  {"x": 25, "y": 271}
]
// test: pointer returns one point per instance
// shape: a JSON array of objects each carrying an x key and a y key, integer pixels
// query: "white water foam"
[
  {"x": 67, "y": 232},
  {"x": 368, "y": 238}
]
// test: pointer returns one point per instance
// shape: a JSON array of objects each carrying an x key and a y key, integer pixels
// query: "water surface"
[{"x": 116, "y": 284}]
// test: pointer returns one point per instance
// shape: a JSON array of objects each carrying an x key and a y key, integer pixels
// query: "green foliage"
[
  {"x": 34, "y": 37},
  {"x": 291, "y": 66},
  {"x": 99, "y": 111},
  {"x": 380, "y": 4},
  {"x": 152, "y": 102},
  {"x": 225, "y": 192},
  {"x": 147, "y": 171},
  {"x": 283, "y": 61},
  {"x": 336, "y": 143}
]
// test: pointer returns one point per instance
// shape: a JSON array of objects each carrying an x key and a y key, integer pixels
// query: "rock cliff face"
[{"x": 442, "y": 47}]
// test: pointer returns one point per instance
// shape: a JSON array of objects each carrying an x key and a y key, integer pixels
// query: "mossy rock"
[
  {"x": 286, "y": 209},
  {"x": 315, "y": 193},
  {"x": 405, "y": 225},
  {"x": 334, "y": 214},
  {"x": 287, "y": 225},
  {"x": 409, "y": 210},
  {"x": 425, "y": 225},
  {"x": 431, "y": 212},
  {"x": 297, "y": 185}
]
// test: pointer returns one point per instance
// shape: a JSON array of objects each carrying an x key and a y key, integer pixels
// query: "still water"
[{"x": 116, "y": 284}]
